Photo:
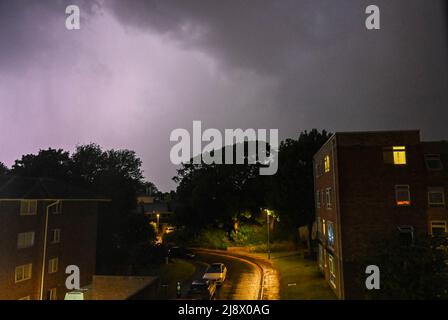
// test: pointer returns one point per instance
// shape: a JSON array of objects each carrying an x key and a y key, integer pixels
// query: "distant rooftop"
[{"x": 16, "y": 187}]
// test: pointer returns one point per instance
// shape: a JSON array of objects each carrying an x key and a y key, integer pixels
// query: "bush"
[
  {"x": 275, "y": 247},
  {"x": 249, "y": 235},
  {"x": 210, "y": 238}
]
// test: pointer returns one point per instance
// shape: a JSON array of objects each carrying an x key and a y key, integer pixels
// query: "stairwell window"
[
  {"x": 395, "y": 155},
  {"x": 402, "y": 195},
  {"x": 28, "y": 207}
]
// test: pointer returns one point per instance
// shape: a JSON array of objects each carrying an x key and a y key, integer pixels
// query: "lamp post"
[
  {"x": 158, "y": 221},
  {"x": 268, "y": 213}
]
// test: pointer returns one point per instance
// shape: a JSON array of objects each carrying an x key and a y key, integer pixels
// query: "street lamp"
[
  {"x": 268, "y": 213},
  {"x": 158, "y": 220}
]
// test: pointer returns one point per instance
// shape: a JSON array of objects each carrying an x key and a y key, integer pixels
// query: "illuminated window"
[
  {"x": 438, "y": 228},
  {"x": 28, "y": 207},
  {"x": 327, "y": 163},
  {"x": 25, "y": 240},
  {"x": 23, "y": 272},
  {"x": 436, "y": 197},
  {"x": 402, "y": 195},
  {"x": 395, "y": 155},
  {"x": 433, "y": 162},
  {"x": 330, "y": 234},
  {"x": 53, "y": 265}
]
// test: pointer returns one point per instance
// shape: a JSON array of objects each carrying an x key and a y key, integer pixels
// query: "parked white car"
[{"x": 216, "y": 272}]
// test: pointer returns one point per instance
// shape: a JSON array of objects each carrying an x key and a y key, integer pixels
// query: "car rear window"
[{"x": 214, "y": 269}]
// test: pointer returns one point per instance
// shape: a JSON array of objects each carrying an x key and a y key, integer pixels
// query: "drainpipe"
[{"x": 44, "y": 255}]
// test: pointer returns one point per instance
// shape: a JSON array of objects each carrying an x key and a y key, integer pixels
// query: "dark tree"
[
  {"x": 217, "y": 194},
  {"x": 291, "y": 191},
  {"x": 3, "y": 170},
  {"x": 50, "y": 163},
  {"x": 409, "y": 271}
]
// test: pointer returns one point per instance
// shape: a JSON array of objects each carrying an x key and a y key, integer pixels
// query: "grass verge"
[{"x": 299, "y": 277}]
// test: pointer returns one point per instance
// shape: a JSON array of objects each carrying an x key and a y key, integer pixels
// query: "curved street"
[{"x": 247, "y": 277}]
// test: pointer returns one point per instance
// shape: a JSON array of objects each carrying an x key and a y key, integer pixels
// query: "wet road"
[{"x": 243, "y": 280}]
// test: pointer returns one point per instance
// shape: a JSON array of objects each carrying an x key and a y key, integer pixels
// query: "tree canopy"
[
  {"x": 222, "y": 194},
  {"x": 3, "y": 169}
]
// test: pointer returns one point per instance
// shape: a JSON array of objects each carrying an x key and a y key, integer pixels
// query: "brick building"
[
  {"x": 372, "y": 186},
  {"x": 28, "y": 269}
]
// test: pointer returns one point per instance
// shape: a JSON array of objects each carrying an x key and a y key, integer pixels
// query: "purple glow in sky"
[{"x": 139, "y": 69}]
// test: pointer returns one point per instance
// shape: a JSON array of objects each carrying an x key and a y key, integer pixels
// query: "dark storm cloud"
[
  {"x": 27, "y": 33},
  {"x": 139, "y": 69},
  {"x": 333, "y": 72}
]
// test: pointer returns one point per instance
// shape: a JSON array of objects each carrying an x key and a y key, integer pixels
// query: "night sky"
[{"x": 139, "y": 69}]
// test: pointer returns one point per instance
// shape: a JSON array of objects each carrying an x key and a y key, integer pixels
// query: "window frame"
[
  {"x": 25, "y": 275},
  {"x": 30, "y": 204},
  {"x": 408, "y": 189},
  {"x": 426, "y": 156},
  {"x": 391, "y": 155},
  {"x": 441, "y": 190},
  {"x": 33, "y": 239},
  {"x": 53, "y": 265},
  {"x": 57, "y": 208},
  {"x": 438, "y": 221},
  {"x": 53, "y": 232},
  {"x": 53, "y": 294}
]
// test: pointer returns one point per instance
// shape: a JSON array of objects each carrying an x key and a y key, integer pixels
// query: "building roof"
[
  {"x": 117, "y": 287},
  {"x": 16, "y": 187}
]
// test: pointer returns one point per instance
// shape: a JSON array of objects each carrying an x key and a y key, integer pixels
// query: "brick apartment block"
[
  {"x": 71, "y": 237},
  {"x": 371, "y": 186}
]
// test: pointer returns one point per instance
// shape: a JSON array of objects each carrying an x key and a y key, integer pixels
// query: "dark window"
[
  {"x": 433, "y": 162},
  {"x": 436, "y": 197},
  {"x": 406, "y": 234}
]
